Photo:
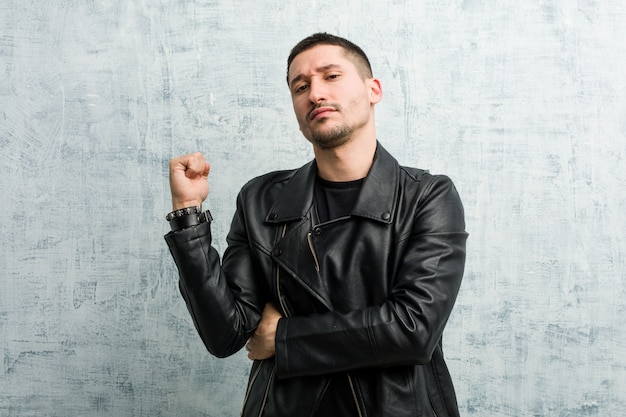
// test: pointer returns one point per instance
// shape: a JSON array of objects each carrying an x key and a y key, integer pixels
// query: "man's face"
[{"x": 331, "y": 99}]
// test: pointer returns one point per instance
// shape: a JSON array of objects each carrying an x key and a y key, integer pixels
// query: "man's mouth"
[{"x": 320, "y": 111}]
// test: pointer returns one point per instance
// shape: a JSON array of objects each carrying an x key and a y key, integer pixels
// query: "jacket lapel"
[{"x": 378, "y": 196}]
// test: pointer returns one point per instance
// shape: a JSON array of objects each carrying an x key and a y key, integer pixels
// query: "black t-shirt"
[{"x": 334, "y": 200}]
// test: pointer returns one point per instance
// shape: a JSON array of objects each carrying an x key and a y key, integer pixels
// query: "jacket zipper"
[
  {"x": 356, "y": 402},
  {"x": 267, "y": 391},
  {"x": 256, "y": 374},
  {"x": 280, "y": 298},
  {"x": 309, "y": 238},
  {"x": 265, "y": 394},
  {"x": 432, "y": 406}
]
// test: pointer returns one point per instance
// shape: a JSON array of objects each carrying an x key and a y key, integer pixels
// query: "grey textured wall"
[{"x": 523, "y": 104}]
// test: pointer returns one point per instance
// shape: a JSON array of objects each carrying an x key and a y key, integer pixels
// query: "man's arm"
[
  {"x": 224, "y": 314},
  {"x": 407, "y": 327}
]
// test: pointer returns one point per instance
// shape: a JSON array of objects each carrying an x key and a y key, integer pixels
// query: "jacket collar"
[{"x": 375, "y": 201}]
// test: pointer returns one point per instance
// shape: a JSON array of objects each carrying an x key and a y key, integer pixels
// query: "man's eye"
[
  {"x": 301, "y": 88},
  {"x": 333, "y": 76}
]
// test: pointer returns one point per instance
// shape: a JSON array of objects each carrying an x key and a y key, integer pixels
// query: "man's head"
[
  {"x": 332, "y": 91},
  {"x": 354, "y": 52}
]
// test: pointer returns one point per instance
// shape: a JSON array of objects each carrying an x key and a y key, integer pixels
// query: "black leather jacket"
[{"x": 366, "y": 297}]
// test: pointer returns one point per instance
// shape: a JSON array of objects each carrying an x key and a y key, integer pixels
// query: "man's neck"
[{"x": 349, "y": 162}]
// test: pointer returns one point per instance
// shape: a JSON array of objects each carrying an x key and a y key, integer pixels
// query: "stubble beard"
[{"x": 332, "y": 138}]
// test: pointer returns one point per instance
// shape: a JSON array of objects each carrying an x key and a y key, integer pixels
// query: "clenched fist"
[{"x": 189, "y": 180}]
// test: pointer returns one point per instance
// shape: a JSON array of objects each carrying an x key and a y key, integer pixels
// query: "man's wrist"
[
  {"x": 188, "y": 217},
  {"x": 185, "y": 211}
]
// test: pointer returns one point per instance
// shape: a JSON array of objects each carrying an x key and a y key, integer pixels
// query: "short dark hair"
[{"x": 362, "y": 62}]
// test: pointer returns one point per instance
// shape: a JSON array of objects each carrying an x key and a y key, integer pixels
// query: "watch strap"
[
  {"x": 183, "y": 212},
  {"x": 189, "y": 220}
]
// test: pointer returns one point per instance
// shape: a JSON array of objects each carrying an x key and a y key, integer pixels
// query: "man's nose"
[{"x": 317, "y": 92}]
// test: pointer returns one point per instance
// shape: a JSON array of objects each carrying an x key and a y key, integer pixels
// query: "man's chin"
[
  {"x": 329, "y": 137},
  {"x": 329, "y": 142}
]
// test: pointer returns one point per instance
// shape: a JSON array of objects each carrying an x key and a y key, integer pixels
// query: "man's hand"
[
  {"x": 262, "y": 343},
  {"x": 189, "y": 180}
]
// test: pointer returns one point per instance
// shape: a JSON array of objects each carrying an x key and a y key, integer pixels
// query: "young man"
[{"x": 339, "y": 277}]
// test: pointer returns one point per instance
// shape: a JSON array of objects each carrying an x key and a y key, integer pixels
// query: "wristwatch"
[{"x": 187, "y": 217}]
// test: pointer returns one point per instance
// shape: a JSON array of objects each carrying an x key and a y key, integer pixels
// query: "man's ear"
[{"x": 376, "y": 90}]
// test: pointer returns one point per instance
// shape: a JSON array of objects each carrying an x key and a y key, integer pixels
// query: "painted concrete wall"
[{"x": 523, "y": 104}]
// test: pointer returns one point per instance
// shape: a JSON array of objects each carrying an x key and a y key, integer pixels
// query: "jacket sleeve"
[
  {"x": 225, "y": 311},
  {"x": 407, "y": 327}
]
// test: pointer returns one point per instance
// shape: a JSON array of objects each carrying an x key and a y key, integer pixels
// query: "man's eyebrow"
[{"x": 323, "y": 68}]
